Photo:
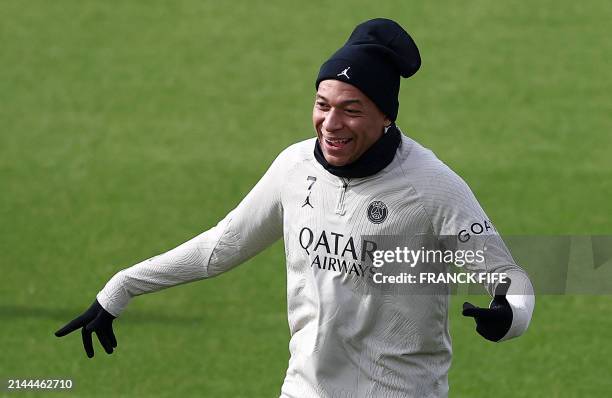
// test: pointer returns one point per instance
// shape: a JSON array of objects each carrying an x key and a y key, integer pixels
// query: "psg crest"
[{"x": 377, "y": 212}]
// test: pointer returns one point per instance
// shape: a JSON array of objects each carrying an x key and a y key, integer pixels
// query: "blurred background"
[{"x": 129, "y": 127}]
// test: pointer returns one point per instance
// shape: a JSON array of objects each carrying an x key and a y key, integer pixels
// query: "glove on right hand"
[{"x": 95, "y": 319}]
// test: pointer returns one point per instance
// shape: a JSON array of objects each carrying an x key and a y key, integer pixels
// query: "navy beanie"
[{"x": 374, "y": 57}]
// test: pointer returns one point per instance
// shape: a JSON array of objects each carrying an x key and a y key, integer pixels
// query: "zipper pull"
[{"x": 340, "y": 205}]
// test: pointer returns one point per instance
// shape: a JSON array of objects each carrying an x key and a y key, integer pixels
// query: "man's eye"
[
  {"x": 322, "y": 105},
  {"x": 352, "y": 111}
]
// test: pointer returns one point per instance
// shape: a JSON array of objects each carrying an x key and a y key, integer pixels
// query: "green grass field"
[{"x": 129, "y": 127}]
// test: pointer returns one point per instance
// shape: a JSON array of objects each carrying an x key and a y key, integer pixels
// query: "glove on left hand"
[{"x": 494, "y": 322}]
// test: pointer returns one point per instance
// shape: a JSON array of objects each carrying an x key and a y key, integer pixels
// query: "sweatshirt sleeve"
[
  {"x": 252, "y": 226},
  {"x": 461, "y": 224}
]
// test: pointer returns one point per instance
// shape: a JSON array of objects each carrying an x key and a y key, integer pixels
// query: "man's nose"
[{"x": 333, "y": 121}]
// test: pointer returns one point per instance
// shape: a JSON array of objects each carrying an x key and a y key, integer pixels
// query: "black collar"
[{"x": 376, "y": 158}]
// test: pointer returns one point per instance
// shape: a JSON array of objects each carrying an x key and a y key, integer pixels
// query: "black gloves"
[
  {"x": 95, "y": 319},
  {"x": 494, "y": 322}
]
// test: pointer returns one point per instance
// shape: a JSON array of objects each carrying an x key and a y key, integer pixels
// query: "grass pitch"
[{"x": 129, "y": 127}]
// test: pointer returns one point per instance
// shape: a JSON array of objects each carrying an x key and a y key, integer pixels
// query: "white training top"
[{"x": 349, "y": 337}]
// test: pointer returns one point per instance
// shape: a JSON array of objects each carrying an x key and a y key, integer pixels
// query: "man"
[{"x": 333, "y": 199}]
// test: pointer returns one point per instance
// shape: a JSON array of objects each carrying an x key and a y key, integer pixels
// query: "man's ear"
[{"x": 387, "y": 122}]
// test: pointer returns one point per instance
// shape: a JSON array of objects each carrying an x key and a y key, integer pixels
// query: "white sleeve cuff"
[{"x": 522, "y": 301}]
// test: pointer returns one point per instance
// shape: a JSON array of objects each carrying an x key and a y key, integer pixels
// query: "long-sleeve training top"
[{"x": 349, "y": 336}]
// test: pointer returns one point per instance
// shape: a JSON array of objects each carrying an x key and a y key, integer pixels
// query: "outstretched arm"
[{"x": 252, "y": 226}]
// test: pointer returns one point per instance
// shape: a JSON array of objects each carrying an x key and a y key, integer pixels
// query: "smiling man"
[
  {"x": 333, "y": 199},
  {"x": 347, "y": 122}
]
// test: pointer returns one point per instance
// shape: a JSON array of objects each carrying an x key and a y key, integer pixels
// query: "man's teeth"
[{"x": 338, "y": 140}]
